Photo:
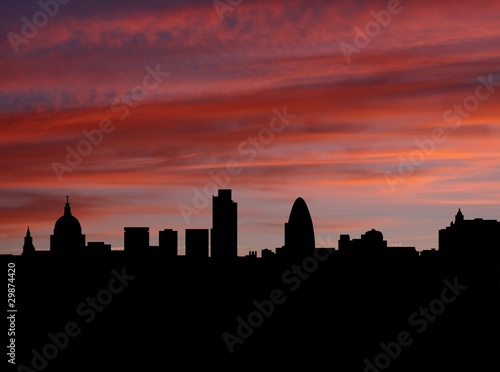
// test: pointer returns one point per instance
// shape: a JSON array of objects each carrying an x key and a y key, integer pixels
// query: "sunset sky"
[{"x": 393, "y": 131}]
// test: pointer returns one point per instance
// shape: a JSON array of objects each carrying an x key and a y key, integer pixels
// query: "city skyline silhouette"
[
  {"x": 363, "y": 304},
  {"x": 298, "y": 237}
]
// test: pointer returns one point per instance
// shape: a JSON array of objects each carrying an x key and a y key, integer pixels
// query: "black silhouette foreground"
[{"x": 362, "y": 307}]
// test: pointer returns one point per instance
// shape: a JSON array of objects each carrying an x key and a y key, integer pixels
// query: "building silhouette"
[
  {"x": 470, "y": 239},
  {"x": 299, "y": 232},
  {"x": 136, "y": 239},
  {"x": 371, "y": 244},
  {"x": 168, "y": 242},
  {"x": 224, "y": 232},
  {"x": 28, "y": 247},
  {"x": 67, "y": 237},
  {"x": 98, "y": 248},
  {"x": 196, "y": 243}
]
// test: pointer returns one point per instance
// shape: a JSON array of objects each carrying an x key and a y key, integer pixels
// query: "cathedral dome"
[
  {"x": 67, "y": 224},
  {"x": 374, "y": 235},
  {"x": 67, "y": 237}
]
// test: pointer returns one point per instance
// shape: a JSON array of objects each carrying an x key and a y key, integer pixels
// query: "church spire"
[
  {"x": 28, "y": 246},
  {"x": 67, "y": 208},
  {"x": 459, "y": 216}
]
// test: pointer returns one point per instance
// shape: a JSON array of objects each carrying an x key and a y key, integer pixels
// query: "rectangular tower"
[
  {"x": 168, "y": 242},
  {"x": 224, "y": 232}
]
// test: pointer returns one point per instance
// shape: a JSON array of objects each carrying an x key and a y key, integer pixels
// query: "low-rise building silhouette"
[
  {"x": 98, "y": 248},
  {"x": 196, "y": 243},
  {"x": 372, "y": 243},
  {"x": 168, "y": 242},
  {"x": 136, "y": 239},
  {"x": 473, "y": 239}
]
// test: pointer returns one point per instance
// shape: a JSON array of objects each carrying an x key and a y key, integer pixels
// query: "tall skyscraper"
[
  {"x": 224, "y": 232},
  {"x": 67, "y": 237}
]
